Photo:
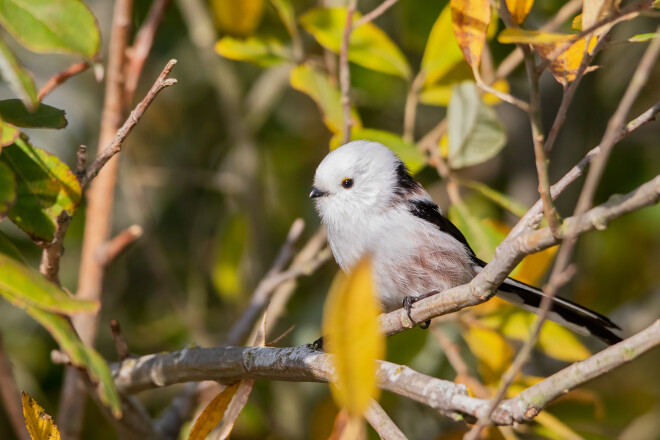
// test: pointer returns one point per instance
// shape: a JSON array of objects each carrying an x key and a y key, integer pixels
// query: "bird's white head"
[{"x": 358, "y": 180}]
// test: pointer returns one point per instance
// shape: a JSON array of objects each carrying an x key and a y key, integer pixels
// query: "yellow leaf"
[
  {"x": 557, "y": 426},
  {"x": 501, "y": 86},
  {"x": 442, "y": 52},
  {"x": 534, "y": 266},
  {"x": 470, "y": 19},
  {"x": 576, "y": 24},
  {"x": 436, "y": 95},
  {"x": 317, "y": 86},
  {"x": 519, "y": 9},
  {"x": 511, "y": 35},
  {"x": 352, "y": 335},
  {"x": 39, "y": 424},
  {"x": 264, "y": 52},
  {"x": 565, "y": 66},
  {"x": 492, "y": 351},
  {"x": 213, "y": 413},
  {"x": 239, "y": 18},
  {"x": 368, "y": 46}
]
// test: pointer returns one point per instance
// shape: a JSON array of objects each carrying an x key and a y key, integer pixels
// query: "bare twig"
[
  {"x": 410, "y": 109},
  {"x": 52, "y": 251},
  {"x": 382, "y": 424},
  {"x": 114, "y": 146},
  {"x": 11, "y": 398},
  {"x": 228, "y": 364},
  {"x": 109, "y": 251},
  {"x": 138, "y": 52},
  {"x": 375, "y": 13},
  {"x": 345, "y": 73},
  {"x": 81, "y": 162},
  {"x": 120, "y": 342},
  {"x": 61, "y": 77}
]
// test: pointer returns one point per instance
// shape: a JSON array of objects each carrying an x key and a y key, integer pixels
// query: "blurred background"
[{"x": 222, "y": 164}]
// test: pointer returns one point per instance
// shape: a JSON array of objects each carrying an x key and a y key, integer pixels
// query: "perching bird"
[{"x": 370, "y": 204}]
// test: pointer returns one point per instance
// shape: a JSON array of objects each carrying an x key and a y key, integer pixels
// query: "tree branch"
[{"x": 60, "y": 78}]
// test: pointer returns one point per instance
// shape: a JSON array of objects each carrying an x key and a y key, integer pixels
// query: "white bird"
[{"x": 370, "y": 204}]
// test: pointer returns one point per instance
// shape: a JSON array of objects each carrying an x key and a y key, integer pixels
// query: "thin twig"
[
  {"x": 11, "y": 398},
  {"x": 410, "y": 109},
  {"x": 53, "y": 250},
  {"x": 345, "y": 74},
  {"x": 115, "y": 145},
  {"x": 109, "y": 251},
  {"x": 137, "y": 54},
  {"x": 60, "y": 78},
  {"x": 382, "y": 424},
  {"x": 120, "y": 342},
  {"x": 375, "y": 13},
  {"x": 81, "y": 162}
]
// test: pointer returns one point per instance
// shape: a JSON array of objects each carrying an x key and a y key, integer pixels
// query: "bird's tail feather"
[{"x": 562, "y": 311}]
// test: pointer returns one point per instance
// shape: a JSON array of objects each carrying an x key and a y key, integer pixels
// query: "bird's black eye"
[{"x": 347, "y": 182}]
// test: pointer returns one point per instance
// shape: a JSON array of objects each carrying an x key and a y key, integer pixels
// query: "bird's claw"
[{"x": 407, "y": 303}]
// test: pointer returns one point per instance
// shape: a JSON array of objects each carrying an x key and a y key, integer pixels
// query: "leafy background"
[{"x": 215, "y": 211}]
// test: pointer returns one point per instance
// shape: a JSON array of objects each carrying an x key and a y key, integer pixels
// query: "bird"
[{"x": 371, "y": 205}]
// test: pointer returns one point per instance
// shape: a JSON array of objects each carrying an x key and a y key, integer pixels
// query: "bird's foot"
[
  {"x": 407, "y": 303},
  {"x": 318, "y": 344}
]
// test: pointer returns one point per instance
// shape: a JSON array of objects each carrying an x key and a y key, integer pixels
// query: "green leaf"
[
  {"x": 9, "y": 134},
  {"x": 442, "y": 52},
  {"x": 483, "y": 235},
  {"x": 25, "y": 287},
  {"x": 316, "y": 84},
  {"x": 369, "y": 46},
  {"x": 19, "y": 79},
  {"x": 263, "y": 52},
  {"x": 9, "y": 249},
  {"x": 407, "y": 151},
  {"x": 640, "y": 38},
  {"x": 45, "y": 188},
  {"x": 7, "y": 189},
  {"x": 45, "y": 26},
  {"x": 475, "y": 133},
  {"x": 506, "y": 202},
  {"x": 45, "y": 116},
  {"x": 80, "y": 355},
  {"x": 287, "y": 15},
  {"x": 231, "y": 243}
]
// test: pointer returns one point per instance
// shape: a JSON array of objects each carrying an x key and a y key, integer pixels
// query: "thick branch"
[{"x": 302, "y": 364}]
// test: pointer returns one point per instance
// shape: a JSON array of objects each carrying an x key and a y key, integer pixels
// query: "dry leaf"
[
  {"x": 470, "y": 19},
  {"x": 213, "y": 413},
  {"x": 39, "y": 424}
]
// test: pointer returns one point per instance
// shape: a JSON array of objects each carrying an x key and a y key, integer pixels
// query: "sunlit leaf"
[
  {"x": 230, "y": 245},
  {"x": 442, "y": 51},
  {"x": 519, "y": 9},
  {"x": 470, "y": 20},
  {"x": 352, "y": 335},
  {"x": 407, "y": 151},
  {"x": 80, "y": 355},
  {"x": 576, "y": 24},
  {"x": 534, "y": 266},
  {"x": 19, "y": 79},
  {"x": 492, "y": 351},
  {"x": 514, "y": 35},
  {"x": 23, "y": 287},
  {"x": 45, "y": 188},
  {"x": 44, "y": 26},
  {"x": 483, "y": 235},
  {"x": 45, "y": 116},
  {"x": 436, "y": 95},
  {"x": 316, "y": 84},
  {"x": 238, "y": 18},
  {"x": 213, "y": 413},
  {"x": 263, "y": 52},
  {"x": 564, "y": 68},
  {"x": 503, "y": 200},
  {"x": 7, "y": 189},
  {"x": 369, "y": 46},
  {"x": 474, "y": 130},
  {"x": 9, "y": 134},
  {"x": 40, "y": 425},
  {"x": 640, "y": 38}
]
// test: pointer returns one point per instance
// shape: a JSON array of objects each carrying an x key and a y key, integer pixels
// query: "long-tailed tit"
[{"x": 370, "y": 204}]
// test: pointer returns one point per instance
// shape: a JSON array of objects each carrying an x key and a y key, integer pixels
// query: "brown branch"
[
  {"x": 120, "y": 342},
  {"x": 137, "y": 54},
  {"x": 410, "y": 109},
  {"x": 109, "y": 251},
  {"x": 382, "y": 424},
  {"x": 60, "y": 78},
  {"x": 375, "y": 13},
  {"x": 11, "y": 398},
  {"x": 114, "y": 146},
  {"x": 302, "y": 364},
  {"x": 345, "y": 74},
  {"x": 52, "y": 251}
]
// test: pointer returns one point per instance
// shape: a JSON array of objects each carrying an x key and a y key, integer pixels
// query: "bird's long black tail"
[{"x": 562, "y": 311}]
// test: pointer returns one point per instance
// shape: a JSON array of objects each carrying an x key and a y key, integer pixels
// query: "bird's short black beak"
[{"x": 317, "y": 193}]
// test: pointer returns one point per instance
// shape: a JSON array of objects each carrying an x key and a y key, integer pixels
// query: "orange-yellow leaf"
[
  {"x": 352, "y": 334},
  {"x": 510, "y": 36},
  {"x": 519, "y": 9},
  {"x": 492, "y": 351},
  {"x": 470, "y": 19},
  {"x": 534, "y": 266},
  {"x": 565, "y": 66},
  {"x": 239, "y": 18},
  {"x": 39, "y": 424},
  {"x": 213, "y": 413}
]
